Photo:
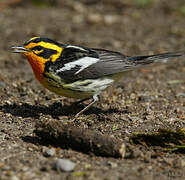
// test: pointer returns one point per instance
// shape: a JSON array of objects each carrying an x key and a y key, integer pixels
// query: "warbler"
[{"x": 80, "y": 72}]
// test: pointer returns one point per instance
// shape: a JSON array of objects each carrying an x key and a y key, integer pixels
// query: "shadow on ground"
[
  {"x": 54, "y": 110},
  {"x": 167, "y": 139}
]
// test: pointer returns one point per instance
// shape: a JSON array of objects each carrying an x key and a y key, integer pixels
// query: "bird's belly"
[
  {"x": 70, "y": 93},
  {"x": 78, "y": 89}
]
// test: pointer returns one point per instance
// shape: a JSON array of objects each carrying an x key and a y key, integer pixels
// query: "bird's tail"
[{"x": 163, "y": 58}]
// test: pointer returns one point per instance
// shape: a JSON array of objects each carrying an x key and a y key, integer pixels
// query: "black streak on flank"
[{"x": 86, "y": 84}]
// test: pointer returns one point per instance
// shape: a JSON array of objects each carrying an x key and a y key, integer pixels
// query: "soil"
[{"x": 143, "y": 102}]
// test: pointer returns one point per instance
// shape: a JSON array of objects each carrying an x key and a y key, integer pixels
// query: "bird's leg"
[{"x": 95, "y": 98}]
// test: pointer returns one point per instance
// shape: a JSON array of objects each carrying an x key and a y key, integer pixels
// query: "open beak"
[{"x": 19, "y": 49}]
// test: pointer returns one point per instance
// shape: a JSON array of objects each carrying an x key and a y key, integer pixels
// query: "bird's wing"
[
  {"x": 113, "y": 62},
  {"x": 78, "y": 63},
  {"x": 72, "y": 63}
]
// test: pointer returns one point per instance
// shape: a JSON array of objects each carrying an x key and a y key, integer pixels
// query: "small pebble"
[
  {"x": 182, "y": 163},
  {"x": 94, "y": 18},
  {"x": 65, "y": 165},
  {"x": 180, "y": 94},
  {"x": 49, "y": 152},
  {"x": 110, "y": 19},
  {"x": 122, "y": 150},
  {"x": 2, "y": 84},
  {"x": 112, "y": 164},
  {"x": 14, "y": 178}
]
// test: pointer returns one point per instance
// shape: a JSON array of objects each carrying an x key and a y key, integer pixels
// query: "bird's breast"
[{"x": 37, "y": 67}]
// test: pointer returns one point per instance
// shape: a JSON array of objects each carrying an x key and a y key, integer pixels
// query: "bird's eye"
[{"x": 37, "y": 48}]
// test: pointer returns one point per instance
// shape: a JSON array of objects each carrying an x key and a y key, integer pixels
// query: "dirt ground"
[{"x": 144, "y": 101}]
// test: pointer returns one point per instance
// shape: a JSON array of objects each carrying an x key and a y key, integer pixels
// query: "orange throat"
[{"x": 37, "y": 65}]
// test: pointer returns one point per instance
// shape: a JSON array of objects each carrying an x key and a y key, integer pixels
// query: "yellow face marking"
[
  {"x": 37, "y": 52},
  {"x": 43, "y": 44},
  {"x": 46, "y": 45},
  {"x": 33, "y": 38}
]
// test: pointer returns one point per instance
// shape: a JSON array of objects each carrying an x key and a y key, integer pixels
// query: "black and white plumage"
[
  {"x": 77, "y": 63},
  {"x": 80, "y": 72}
]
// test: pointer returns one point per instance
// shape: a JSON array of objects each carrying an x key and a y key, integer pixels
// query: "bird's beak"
[{"x": 19, "y": 49}]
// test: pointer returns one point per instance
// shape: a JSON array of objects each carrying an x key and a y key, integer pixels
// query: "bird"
[{"x": 81, "y": 72}]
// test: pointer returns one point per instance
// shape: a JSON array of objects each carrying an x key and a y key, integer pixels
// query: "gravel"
[{"x": 143, "y": 102}]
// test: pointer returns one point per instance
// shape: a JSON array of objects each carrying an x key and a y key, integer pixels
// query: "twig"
[{"x": 84, "y": 140}]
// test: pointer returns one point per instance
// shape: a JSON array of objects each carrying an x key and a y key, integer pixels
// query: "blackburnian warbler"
[{"x": 80, "y": 72}]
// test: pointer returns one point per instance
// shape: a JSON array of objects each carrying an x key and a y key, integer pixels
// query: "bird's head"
[{"x": 38, "y": 51}]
